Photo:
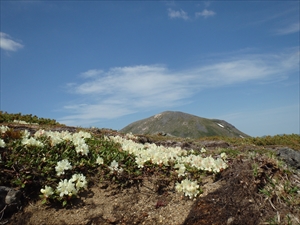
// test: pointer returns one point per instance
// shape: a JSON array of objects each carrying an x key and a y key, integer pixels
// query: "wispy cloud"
[
  {"x": 173, "y": 14},
  {"x": 8, "y": 44},
  {"x": 290, "y": 29},
  {"x": 125, "y": 90},
  {"x": 91, "y": 73},
  {"x": 205, "y": 13}
]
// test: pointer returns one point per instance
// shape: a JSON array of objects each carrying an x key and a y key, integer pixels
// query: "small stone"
[{"x": 230, "y": 220}]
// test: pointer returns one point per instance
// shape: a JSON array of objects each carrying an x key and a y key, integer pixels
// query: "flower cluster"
[
  {"x": 99, "y": 160},
  {"x": 76, "y": 138},
  {"x": 130, "y": 136},
  {"x": 2, "y": 143},
  {"x": 181, "y": 169},
  {"x": 204, "y": 163},
  {"x": 149, "y": 152},
  {"x": 62, "y": 166},
  {"x": 67, "y": 187},
  {"x": 3, "y": 129},
  {"x": 114, "y": 167},
  {"x": 189, "y": 188},
  {"x": 161, "y": 155},
  {"x": 48, "y": 191},
  {"x": 72, "y": 186},
  {"x": 32, "y": 142},
  {"x": 24, "y": 122}
]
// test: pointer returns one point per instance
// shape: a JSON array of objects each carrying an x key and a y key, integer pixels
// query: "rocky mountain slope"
[{"x": 184, "y": 125}]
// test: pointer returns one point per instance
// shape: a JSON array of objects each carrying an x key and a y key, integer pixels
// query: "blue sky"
[{"x": 109, "y": 63}]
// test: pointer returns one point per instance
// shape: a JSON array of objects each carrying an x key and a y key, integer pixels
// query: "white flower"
[
  {"x": 62, "y": 166},
  {"x": 190, "y": 188},
  {"x": 2, "y": 143},
  {"x": 114, "y": 165},
  {"x": 20, "y": 122},
  {"x": 55, "y": 137},
  {"x": 163, "y": 155},
  {"x": 25, "y": 133},
  {"x": 82, "y": 134},
  {"x": 80, "y": 181},
  {"x": 140, "y": 162},
  {"x": 39, "y": 133},
  {"x": 130, "y": 136},
  {"x": 66, "y": 187},
  {"x": 32, "y": 142},
  {"x": 48, "y": 191},
  {"x": 223, "y": 155},
  {"x": 181, "y": 169},
  {"x": 66, "y": 135},
  {"x": 99, "y": 160},
  {"x": 178, "y": 187},
  {"x": 78, "y": 140},
  {"x": 3, "y": 129},
  {"x": 82, "y": 148}
]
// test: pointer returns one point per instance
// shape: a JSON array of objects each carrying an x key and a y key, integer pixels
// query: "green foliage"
[
  {"x": 292, "y": 140},
  {"x": 32, "y": 167},
  {"x": 287, "y": 140},
  {"x": 29, "y": 118}
]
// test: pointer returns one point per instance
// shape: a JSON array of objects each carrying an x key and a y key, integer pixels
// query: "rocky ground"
[{"x": 252, "y": 190}]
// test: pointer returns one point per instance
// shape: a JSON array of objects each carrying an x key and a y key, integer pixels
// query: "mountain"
[{"x": 184, "y": 125}]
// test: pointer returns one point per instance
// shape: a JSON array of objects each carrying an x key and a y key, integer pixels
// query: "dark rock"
[
  {"x": 143, "y": 140},
  {"x": 10, "y": 200},
  {"x": 214, "y": 144},
  {"x": 290, "y": 156}
]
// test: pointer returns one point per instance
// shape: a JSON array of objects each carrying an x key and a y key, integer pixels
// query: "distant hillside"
[{"x": 181, "y": 124}]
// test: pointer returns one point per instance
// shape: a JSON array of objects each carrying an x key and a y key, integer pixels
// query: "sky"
[{"x": 107, "y": 64}]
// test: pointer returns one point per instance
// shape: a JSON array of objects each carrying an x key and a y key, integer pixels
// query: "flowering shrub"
[
  {"x": 61, "y": 163},
  {"x": 161, "y": 155},
  {"x": 23, "y": 122}
]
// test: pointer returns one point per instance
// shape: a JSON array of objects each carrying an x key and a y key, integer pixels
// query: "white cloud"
[
  {"x": 177, "y": 14},
  {"x": 205, "y": 13},
  {"x": 292, "y": 28},
  {"x": 91, "y": 73},
  {"x": 124, "y": 90},
  {"x": 8, "y": 44}
]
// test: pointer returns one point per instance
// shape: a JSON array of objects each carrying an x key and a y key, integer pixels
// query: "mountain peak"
[{"x": 184, "y": 125}]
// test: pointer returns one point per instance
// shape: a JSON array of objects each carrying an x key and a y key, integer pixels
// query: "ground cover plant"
[{"x": 79, "y": 170}]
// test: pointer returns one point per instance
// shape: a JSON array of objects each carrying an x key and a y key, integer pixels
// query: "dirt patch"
[{"x": 105, "y": 204}]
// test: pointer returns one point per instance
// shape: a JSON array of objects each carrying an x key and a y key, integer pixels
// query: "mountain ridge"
[{"x": 184, "y": 125}]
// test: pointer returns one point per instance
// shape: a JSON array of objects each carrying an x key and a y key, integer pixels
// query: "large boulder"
[{"x": 290, "y": 156}]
